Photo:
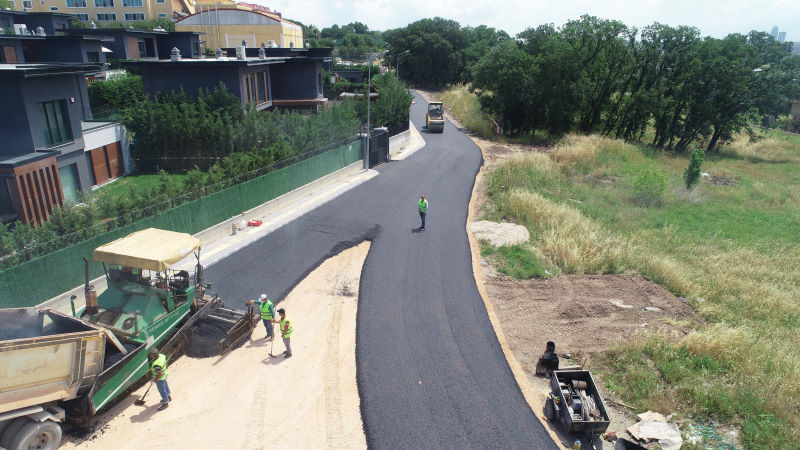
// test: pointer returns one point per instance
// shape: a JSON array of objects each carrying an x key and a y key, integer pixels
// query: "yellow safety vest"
[
  {"x": 161, "y": 361},
  {"x": 286, "y": 328},
  {"x": 423, "y": 205},
  {"x": 266, "y": 312}
]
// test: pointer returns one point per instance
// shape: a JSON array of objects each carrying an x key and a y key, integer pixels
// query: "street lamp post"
[{"x": 397, "y": 66}]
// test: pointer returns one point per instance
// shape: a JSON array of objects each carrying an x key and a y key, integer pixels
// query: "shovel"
[{"x": 140, "y": 401}]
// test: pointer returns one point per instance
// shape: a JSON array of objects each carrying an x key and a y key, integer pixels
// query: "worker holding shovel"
[
  {"x": 286, "y": 332},
  {"x": 158, "y": 367}
]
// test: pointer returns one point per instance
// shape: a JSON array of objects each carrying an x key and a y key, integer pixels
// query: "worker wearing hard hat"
[
  {"x": 158, "y": 368},
  {"x": 267, "y": 313}
]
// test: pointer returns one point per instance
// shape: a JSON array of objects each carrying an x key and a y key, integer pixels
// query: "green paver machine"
[{"x": 55, "y": 367}]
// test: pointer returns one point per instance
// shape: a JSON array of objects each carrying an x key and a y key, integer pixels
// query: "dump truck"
[
  {"x": 55, "y": 367},
  {"x": 434, "y": 119}
]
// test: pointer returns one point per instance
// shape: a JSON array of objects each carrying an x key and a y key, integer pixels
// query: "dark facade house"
[
  {"x": 50, "y": 22},
  {"x": 31, "y": 49},
  {"x": 51, "y": 149},
  {"x": 283, "y": 78},
  {"x": 138, "y": 44},
  {"x": 353, "y": 76}
]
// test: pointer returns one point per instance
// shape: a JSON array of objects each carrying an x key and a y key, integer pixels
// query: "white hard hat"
[{"x": 263, "y": 296}]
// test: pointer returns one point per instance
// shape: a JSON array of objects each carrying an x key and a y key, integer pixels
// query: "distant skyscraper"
[
  {"x": 781, "y": 36},
  {"x": 774, "y": 32},
  {"x": 796, "y": 48}
]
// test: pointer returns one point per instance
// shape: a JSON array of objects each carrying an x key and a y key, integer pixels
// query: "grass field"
[
  {"x": 730, "y": 245},
  {"x": 143, "y": 182}
]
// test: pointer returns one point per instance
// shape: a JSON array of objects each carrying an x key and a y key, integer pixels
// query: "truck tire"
[
  {"x": 11, "y": 431},
  {"x": 550, "y": 410},
  {"x": 39, "y": 435}
]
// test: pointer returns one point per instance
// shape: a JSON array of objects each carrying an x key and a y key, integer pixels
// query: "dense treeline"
[
  {"x": 440, "y": 50},
  {"x": 665, "y": 83}
]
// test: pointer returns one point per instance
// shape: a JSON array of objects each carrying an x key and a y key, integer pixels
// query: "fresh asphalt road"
[{"x": 431, "y": 372}]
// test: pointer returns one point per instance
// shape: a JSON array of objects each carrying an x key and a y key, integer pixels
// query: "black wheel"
[
  {"x": 11, "y": 431},
  {"x": 37, "y": 435},
  {"x": 550, "y": 410}
]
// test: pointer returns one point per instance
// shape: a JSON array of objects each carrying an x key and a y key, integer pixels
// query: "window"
[
  {"x": 27, "y": 4},
  {"x": 76, "y": 3},
  {"x": 195, "y": 48},
  {"x": 54, "y": 8},
  {"x": 135, "y": 3},
  {"x": 255, "y": 87},
  {"x": 104, "y": 4},
  {"x": 83, "y": 17},
  {"x": 319, "y": 84},
  {"x": 160, "y": 1},
  {"x": 106, "y": 17},
  {"x": 69, "y": 182},
  {"x": 93, "y": 57},
  {"x": 55, "y": 122},
  {"x": 132, "y": 17},
  {"x": 162, "y": 15},
  {"x": 8, "y": 55}
]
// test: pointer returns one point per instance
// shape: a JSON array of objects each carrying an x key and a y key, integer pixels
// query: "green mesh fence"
[{"x": 40, "y": 279}]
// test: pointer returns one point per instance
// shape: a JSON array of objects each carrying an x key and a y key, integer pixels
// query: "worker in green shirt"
[
  {"x": 423, "y": 210},
  {"x": 158, "y": 368},
  {"x": 286, "y": 332},
  {"x": 267, "y": 313}
]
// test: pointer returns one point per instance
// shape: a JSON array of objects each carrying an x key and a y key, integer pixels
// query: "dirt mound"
[{"x": 581, "y": 314}]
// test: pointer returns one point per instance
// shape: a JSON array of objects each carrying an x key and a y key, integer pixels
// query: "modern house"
[
  {"x": 52, "y": 150},
  {"x": 228, "y": 26},
  {"x": 30, "y": 49},
  {"x": 28, "y": 22},
  {"x": 288, "y": 78},
  {"x": 136, "y": 44}
]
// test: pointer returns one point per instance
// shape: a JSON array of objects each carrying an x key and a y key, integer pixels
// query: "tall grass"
[
  {"x": 465, "y": 106},
  {"x": 733, "y": 250}
]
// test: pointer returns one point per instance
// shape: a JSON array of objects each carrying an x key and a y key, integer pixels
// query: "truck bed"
[{"x": 46, "y": 356}]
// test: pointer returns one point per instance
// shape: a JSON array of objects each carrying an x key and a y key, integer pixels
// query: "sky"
[{"x": 712, "y": 17}]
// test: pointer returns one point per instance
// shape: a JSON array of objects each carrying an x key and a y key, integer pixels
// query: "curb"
[{"x": 534, "y": 399}]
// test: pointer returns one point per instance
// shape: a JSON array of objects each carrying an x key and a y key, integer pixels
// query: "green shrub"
[
  {"x": 649, "y": 187},
  {"x": 692, "y": 173}
]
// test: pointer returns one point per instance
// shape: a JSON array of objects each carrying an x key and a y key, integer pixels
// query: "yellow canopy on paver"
[{"x": 150, "y": 249}]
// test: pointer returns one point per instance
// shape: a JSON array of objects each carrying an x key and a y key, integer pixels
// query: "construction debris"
[{"x": 654, "y": 426}]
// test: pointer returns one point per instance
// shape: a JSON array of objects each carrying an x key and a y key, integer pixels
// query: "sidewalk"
[{"x": 218, "y": 241}]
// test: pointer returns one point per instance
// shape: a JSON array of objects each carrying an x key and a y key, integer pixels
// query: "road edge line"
[{"x": 534, "y": 399}]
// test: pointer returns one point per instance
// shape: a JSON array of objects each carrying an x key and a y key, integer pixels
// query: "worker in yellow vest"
[
  {"x": 267, "y": 313},
  {"x": 286, "y": 332},
  {"x": 158, "y": 368},
  {"x": 423, "y": 210}
]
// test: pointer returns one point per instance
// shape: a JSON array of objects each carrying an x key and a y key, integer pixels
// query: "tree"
[
  {"x": 392, "y": 107},
  {"x": 692, "y": 173},
  {"x": 6, "y": 4},
  {"x": 505, "y": 86}
]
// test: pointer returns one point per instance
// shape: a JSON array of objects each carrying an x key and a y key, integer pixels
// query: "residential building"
[
  {"x": 796, "y": 48},
  {"x": 31, "y": 49},
  {"x": 228, "y": 26},
  {"x": 136, "y": 44},
  {"x": 107, "y": 11},
  {"x": 24, "y": 23},
  {"x": 52, "y": 150},
  {"x": 287, "y": 78}
]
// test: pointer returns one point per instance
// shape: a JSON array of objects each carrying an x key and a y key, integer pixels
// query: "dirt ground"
[{"x": 247, "y": 399}]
